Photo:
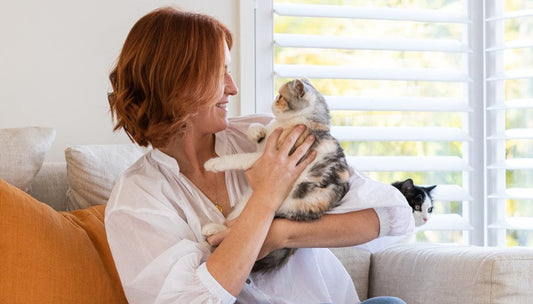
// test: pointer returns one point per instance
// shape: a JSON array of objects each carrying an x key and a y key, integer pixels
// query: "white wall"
[{"x": 55, "y": 57}]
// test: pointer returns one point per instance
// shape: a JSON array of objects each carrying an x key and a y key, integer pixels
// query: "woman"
[{"x": 171, "y": 88}]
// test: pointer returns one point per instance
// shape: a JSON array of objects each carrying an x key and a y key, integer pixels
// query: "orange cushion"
[{"x": 53, "y": 257}]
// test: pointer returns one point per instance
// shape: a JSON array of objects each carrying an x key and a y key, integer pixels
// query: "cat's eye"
[
  {"x": 417, "y": 208},
  {"x": 430, "y": 209}
]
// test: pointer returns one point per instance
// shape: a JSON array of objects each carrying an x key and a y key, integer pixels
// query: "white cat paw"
[
  {"x": 213, "y": 165},
  {"x": 256, "y": 132},
  {"x": 212, "y": 228}
]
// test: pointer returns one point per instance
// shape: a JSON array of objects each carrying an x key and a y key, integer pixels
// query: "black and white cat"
[
  {"x": 419, "y": 198},
  {"x": 323, "y": 183}
]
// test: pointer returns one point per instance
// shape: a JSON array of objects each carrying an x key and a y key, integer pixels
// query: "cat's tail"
[{"x": 273, "y": 260}]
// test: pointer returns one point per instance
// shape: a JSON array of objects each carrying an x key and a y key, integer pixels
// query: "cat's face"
[
  {"x": 419, "y": 198},
  {"x": 297, "y": 97}
]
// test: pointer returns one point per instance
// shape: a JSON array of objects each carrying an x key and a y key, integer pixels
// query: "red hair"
[{"x": 172, "y": 62}]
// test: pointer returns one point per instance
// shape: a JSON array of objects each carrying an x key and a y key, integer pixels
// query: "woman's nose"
[{"x": 229, "y": 85}]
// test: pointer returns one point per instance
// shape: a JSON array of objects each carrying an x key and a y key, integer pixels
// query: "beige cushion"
[
  {"x": 357, "y": 263},
  {"x": 93, "y": 169},
  {"x": 50, "y": 185},
  {"x": 444, "y": 274},
  {"x": 22, "y": 153}
]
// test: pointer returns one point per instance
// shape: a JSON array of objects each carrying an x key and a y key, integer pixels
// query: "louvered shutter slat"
[
  {"x": 339, "y": 11},
  {"x": 359, "y": 43},
  {"x": 343, "y": 72},
  {"x": 408, "y": 163},
  {"x": 345, "y": 133},
  {"x": 428, "y": 104}
]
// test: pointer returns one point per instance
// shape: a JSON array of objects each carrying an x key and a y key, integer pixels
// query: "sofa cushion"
[
  {"x": 93, "y": 169},
  {"x": 443, "y": 274},
  {"x": 54, "y": 257},
  {"x": 50, "y": 185},
  {"x": 22, "y": 154},
  {"x": 357, "y": 263}
]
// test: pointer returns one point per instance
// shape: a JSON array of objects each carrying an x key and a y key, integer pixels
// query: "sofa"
[{"x": 53, "y": 245}]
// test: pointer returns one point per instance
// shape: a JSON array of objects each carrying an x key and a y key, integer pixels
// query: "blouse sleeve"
[
  {"x": 394, "y": 213},
  {"x": 156, "y": 254}
]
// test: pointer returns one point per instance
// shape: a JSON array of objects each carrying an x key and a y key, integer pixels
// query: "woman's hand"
[
  {"x": 274, "y": 173},
  {"x": 217, "y": 238}
]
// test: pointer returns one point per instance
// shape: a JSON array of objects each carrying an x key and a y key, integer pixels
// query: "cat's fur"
[
  {"x": 323, "y": 183},
  {"x": 419, "y": 198}
]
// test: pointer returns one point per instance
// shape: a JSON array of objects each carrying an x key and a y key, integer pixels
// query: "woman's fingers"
[
  {"x": 272, "y": 140},
  {"x": 217, "y": 238},
  {"x": 302, "y": 151},
  {"x": 277, "y": 169},
  {"x": 287, "y": 145}
]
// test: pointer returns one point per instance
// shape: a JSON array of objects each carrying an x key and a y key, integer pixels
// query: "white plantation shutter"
[
  {"x": 445, "y": 119},
  {"x": 510, "y": 123},
  {"x": 354, "y": 133}
]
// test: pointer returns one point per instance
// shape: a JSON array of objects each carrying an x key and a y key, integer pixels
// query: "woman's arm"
[
  {"x": 270, "y": 177},
  {"x": 331, "y": 230},
  {"x": 339, "y": 230}
]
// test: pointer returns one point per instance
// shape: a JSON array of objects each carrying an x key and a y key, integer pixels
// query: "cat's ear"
[
  {"x": 407, "y": 185},
  {"x": 430, "y": 188},
  {"x": 299, "y": 88},
  {"x": 306, "y": 80}
]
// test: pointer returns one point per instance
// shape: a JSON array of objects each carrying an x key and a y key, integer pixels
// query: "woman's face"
[{"x": 213, "y": 118}]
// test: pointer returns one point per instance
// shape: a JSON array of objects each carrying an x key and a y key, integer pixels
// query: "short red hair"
[{"x": 172, "y": 62}]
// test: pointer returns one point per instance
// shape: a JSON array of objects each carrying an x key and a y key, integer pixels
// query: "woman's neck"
[{"x": 191, "y": 152}]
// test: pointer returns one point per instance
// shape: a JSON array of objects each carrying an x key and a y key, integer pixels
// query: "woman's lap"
[{"x": 383, "y": 300}]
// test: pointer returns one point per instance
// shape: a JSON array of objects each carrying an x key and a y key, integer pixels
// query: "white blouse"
[{"x": 153, "y": 223}]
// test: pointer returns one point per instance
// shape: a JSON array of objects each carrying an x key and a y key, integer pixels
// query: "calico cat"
[
  {"x": 323, "y": 183},
  {"x": 419, "y": 198}
]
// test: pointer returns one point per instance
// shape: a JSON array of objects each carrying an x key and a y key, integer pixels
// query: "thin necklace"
[
  {"x": 216, "y": 195},
  {"x": 216, "y": 189}
]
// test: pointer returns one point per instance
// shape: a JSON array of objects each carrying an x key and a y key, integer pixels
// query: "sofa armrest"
[{"x": 444, "y": 274}]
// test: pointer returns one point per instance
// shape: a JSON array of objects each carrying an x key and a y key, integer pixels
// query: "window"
[{"x": 436, "y": 91}]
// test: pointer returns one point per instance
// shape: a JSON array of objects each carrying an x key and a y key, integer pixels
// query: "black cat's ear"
[
  {"x": 407, "y": 185},
  {"x": 430, "y": 188}
]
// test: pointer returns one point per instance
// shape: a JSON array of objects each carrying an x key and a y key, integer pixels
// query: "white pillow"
[
  {"x": 22, "y": 153},
  {"x": 93, "y": 169}
]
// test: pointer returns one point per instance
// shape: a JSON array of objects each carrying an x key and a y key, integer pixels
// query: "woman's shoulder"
[
  {"x": 145, "y": 183},
  {"x": 151, "y": 168}
]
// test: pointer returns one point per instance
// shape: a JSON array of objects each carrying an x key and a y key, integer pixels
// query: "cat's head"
[
  {"x": 300, "y": 98},
  {"x": 419, "y": 198}
]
